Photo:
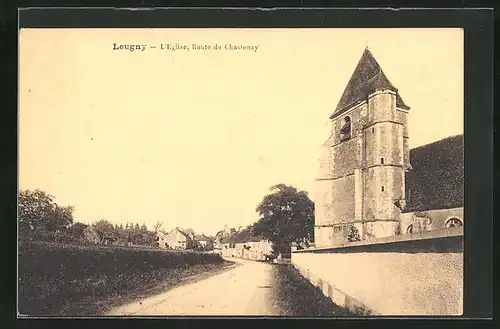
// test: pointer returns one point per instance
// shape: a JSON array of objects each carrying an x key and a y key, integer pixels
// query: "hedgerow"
[{"x": 54, "y": 276}]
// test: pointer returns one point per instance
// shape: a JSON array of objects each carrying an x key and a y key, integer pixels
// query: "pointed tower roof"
[{"x": 367, "y": 77}]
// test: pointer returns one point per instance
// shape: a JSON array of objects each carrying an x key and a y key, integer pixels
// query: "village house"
[
  {"x": 253, "y": 250},
  {"x": 175, "y": 239},
  {"x": 204, "y": 242},
  {"x": 221, "y": 237},
  {"x": 161, "y": 239},
  {"x": 90, "y": 235},
  {"x": 243, "y": 245},
  {"x": 108, "y": 239},
  {"x": 370, "y": 184},
  {"x": 218, "y": 241}
]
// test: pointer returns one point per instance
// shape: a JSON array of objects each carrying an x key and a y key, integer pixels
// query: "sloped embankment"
[{"x": 72, "y": 280}]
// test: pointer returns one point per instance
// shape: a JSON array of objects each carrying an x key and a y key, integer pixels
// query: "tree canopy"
[
  {"x": 39, "y": 212},
  {"x": 104, "y": 229},
  {"x": 286, "y": 216},
  {"x": 132, "y": 233},
  {"x": 40, "y": 217}
]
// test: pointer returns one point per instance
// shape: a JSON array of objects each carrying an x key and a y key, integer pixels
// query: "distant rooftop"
[{"x": 245, "y": 235}]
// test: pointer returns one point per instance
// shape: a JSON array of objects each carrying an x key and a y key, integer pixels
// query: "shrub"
[{"x": 353, "y": 234}]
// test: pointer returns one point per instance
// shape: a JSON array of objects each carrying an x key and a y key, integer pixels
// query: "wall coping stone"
[{"x": 426, "y": 235}]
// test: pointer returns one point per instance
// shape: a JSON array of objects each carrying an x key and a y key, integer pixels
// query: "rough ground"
[
  {"x": 252, "y": 288},
  {"x": 101, "y": 306}
]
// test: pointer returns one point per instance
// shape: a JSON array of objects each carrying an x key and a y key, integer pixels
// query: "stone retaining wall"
[{"x": 418, "y": 274}]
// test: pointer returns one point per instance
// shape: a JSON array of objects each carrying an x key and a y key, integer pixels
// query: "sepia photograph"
[{"x": 289, "y": 172}]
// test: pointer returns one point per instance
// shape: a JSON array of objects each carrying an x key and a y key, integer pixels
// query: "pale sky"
[{"x": 196, "y": 138}]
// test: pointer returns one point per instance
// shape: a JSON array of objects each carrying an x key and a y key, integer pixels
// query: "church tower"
[{"x": 361, "y": 182}]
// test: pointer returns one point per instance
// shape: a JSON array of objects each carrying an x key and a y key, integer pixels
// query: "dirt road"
[{"x": 252, "y": 288}]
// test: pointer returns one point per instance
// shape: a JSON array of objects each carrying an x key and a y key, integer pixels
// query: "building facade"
[
  {"x": 362, "y": 183},
  {"x": 204, "y": 242},
  {"x": 175, "y": 239},
  {"x": 252, "y": 250},
  {"x": 90, "y": 235},
  {"x": 222, "y": 237}
]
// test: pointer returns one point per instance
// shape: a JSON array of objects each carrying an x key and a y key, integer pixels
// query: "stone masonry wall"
[
  {"x": 430, "y": 220},
  {"x": 343, "y": 158},
  {"x": 381, "y": 106},
  {"x": 386, "y": 279}
]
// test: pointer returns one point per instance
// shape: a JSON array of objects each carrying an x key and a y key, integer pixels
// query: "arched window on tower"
[{"x": 345, "y": 130}]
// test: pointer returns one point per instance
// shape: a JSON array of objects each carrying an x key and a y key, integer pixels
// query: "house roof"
[
  {"x": 436, "y": 180},
  {"x": 366, "y": 78},
  {"x": 202, "y": 237},
  {"x": 225, "y": 232},
  {"x": 181, "y": 232},
  {"x": 245, "y": 235}
]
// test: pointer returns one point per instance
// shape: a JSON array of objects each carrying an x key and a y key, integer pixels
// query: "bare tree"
[{"x": 157, "y": 227}]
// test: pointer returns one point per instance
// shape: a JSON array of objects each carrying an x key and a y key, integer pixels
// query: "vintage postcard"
[{"x": 241, "y": 172}]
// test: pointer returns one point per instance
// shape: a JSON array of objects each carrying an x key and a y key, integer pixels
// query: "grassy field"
[{"x": 71, "y": 280}]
